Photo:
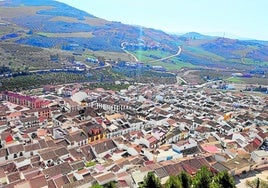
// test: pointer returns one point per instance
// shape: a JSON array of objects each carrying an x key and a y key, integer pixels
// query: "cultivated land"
[{"x": 67, "y": 28}]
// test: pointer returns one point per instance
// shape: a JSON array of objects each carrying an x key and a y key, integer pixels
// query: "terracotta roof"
[
  {"x": 38, "y": 181},
  {"x": 79, "y": 183},
  {"x": 48, "y": 154},
  {"x": 76, "y": 153},
  {"x": 35, "y": 159},
  {"x": 13, "y": 177},
  {"x": 171, "y": 170},
  {"x": 32, "y": 147},
  {"x": 43, "y": 144},
  {"x": 77, "y": 165},
  {"x": 161, "y": 172},
  {"x": 115, "y": 168},
  {"x": 63, "y": 168},
  {"x": 61, "y": 151},
  {"x": 51, "y": 143},
  {"x": 29, "y": 119},
  {"x": 77, "y": 136},
  {"x": 3, "y": 152},
  {"x": 51, "y": 184},
  {"x": 188, "y": 168},
  {"x": 31, "y": 173},
  {"x": 87, "y": 152},
  {"x": 103, "y": 146},
  {"x": 15, "y": 149},
  {"x": 60, "y": 181},
  {"x": 220, "y": 167},
  {"x": 9, "y": 167},
  {"x": 105, "y": 178}
]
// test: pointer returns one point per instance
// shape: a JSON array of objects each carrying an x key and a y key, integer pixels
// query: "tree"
[
  {"x": 151, "y": 181},
  {"x": 111, "y": 184},
  {"x": 185, "y": 179},
  {"x": 96, "y": 186},
  {"x": 173, "y": 182},
  {"x": 202, "y": 178},
  {"x": 224, "y": 180},
  {"x": 257, "y": 183}
]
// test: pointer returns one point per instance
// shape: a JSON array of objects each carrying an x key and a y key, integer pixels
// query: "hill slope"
[{"x": 50, "y": 24}]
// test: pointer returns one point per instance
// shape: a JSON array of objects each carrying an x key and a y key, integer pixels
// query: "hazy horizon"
[{"x": 235, "y": 19}]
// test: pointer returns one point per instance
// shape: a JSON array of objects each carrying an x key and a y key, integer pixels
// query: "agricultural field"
[
  {"x": 27, "y": 58},
  {"x": 172, "y": 64}
]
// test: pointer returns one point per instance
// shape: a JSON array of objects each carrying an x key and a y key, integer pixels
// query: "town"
[{"x": 71, "y": 136}]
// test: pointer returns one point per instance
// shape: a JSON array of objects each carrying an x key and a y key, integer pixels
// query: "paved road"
[
  {"x": 181, "y": 79},
  {"x": 153, "y": 61},
  {"x": 132, "y": 55},
  {"x": 168, "y": 57}
]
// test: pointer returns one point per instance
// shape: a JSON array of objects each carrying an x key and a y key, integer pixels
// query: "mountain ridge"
[{"x": 51, "y": 24}]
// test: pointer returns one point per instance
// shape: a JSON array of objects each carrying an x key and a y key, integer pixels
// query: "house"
[
  {"x": 23, "y": 100},
  {"x": 138, "y": 178},
  {"x": 165, "y": 155},
  {"x": 71, "y": 105},
  {"x": 238, "y": 165},
  {"x": 241, "y": 139},
  {"x": 48, "y": 157},
  {"x": 149, "y": 141},
  {"x": 13, "y": 177},
  {"x": 44, "y": 113},
  {"x": 15, "y": 151},
  {"x": 220, "y": 167},
  {"x": 13, "y": 116},
  {"x": 85, "y": 153},
  {"x": 31, "y": 149},
  {"x": 186, "y": 147},
  {"x": 78, "y": 138},
  {"x": 93, "y": 131},
  {"x": 60, "y": 169},
  {"x": 103, "y": 147},
  {"x": 194, "y": 164},
  {"x": 29, "y": 121},
  {"x": 3, "y": 154},
  {"x": 3, "y": 126},
  {"x": 175, "y": 135},
  {"x": 3, "y": 178},
  {"x": 76, "y": 153},
  {"x": 105, "y": 178},
  {"x": 61, "y": 181},
  {"x": 259, "y": 156}
]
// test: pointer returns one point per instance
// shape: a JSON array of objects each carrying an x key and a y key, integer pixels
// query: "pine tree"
[
  {"x": 202, "y": 178},
  {"x": 185, "y": 179},
  {"x": 173, "y": 182},
  {"x": 151, "y": 181},
  {"x": 111, "y": 184},
  {"x": 224, "y": 180}
]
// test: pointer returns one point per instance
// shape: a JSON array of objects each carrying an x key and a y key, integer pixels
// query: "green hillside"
[{"x": 53, "y": 25}]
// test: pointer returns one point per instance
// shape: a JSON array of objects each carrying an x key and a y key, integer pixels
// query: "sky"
[{"x": 230, "y": 18}]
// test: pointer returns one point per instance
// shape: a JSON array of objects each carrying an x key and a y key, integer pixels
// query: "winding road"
[
  {"x": 132, "y": 55},
  {"x": 153, "y": 61},
  {"x": 168, "y": 57}
]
